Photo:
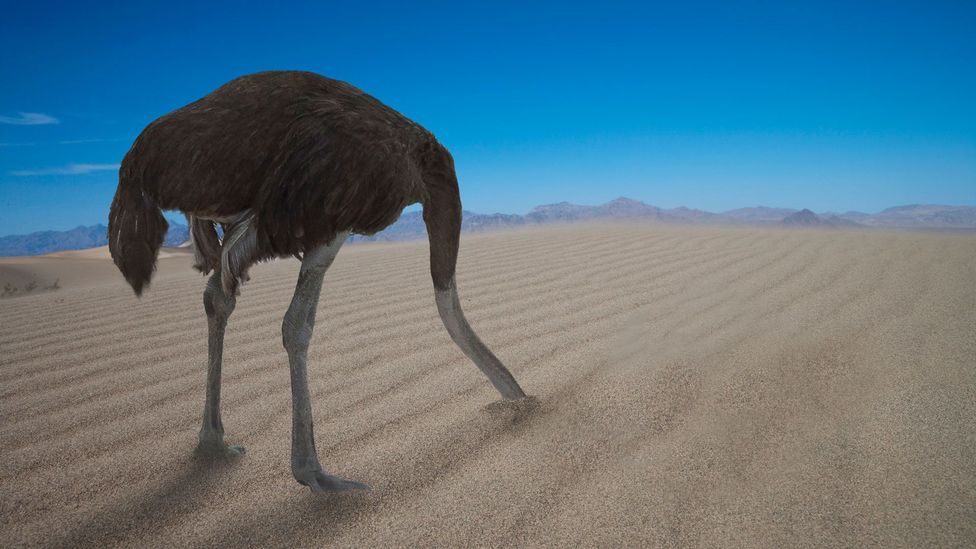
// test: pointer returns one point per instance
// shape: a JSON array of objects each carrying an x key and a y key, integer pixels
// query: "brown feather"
[{"x": 308, "y": 156}]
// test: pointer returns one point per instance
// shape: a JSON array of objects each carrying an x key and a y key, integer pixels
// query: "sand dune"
[
  {"x": 698, "y": 386},
  {"x": 71, "y": 269}
]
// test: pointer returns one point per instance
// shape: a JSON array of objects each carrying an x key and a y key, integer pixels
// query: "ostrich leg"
[
  {"x": 219, "y": 306},
  {"x": 296, "y": 332}
]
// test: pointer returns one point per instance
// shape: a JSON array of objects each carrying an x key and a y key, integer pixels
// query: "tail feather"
[{"x": 136, "y": 229}]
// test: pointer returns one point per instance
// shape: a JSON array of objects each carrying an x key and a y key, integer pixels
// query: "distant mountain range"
[
  {"x": 411, "y": 225},
  {"x": 81, "y": 237}
]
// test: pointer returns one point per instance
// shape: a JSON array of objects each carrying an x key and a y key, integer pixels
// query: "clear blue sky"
[{"x": 712, "y": 105}]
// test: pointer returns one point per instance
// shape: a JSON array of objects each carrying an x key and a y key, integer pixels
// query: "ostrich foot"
[
  {"x": 218, "y": 450},
  {"x": 319, "y": 481}
]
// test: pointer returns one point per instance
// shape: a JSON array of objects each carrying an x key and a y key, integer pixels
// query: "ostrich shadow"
[
  {"x": 323, "y": 515},
  {"x": 181, "y": 493}
]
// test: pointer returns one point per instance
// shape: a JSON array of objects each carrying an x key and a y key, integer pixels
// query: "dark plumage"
[
  {"x": 289, "y": 163},
  {"x": 308, "y": 155}
]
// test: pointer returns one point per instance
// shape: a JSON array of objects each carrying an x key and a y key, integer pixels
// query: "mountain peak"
[{"x": 805, "y": 218}]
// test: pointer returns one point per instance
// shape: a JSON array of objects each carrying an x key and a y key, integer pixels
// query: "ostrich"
[{"x": 289, "y": 163}]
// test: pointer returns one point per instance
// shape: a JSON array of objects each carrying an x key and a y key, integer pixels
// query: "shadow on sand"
[
  {"x": 318, "y": 518},
  {"x": 194, "y": 483},
  {"x": 194, "y": 479}
]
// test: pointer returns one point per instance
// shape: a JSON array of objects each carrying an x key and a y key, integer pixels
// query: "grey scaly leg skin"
[
  {"x": 219, "y": 306},
  {"x": 296, "y": 332},
  {"x": 449, "y": 307}
]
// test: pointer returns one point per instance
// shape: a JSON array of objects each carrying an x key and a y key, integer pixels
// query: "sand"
[
  {"x": 698, "y": 387},
  {"x": 72, "y": 269}
]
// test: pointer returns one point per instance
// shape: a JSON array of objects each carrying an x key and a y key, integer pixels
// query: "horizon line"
[{"x": 417, "y": 206}]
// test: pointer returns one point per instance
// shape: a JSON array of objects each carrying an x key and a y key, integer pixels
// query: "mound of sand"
[
  {"x": 698, "y": 386},
  {"x": 77, "y": 269}
]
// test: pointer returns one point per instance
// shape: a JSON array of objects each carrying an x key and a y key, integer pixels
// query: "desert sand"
[
  {"x": 74, "y": 268},
  {"x": 697, "y": 386}
]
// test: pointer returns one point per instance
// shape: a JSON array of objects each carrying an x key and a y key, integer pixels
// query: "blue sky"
[{"x": 713, "y": 105}]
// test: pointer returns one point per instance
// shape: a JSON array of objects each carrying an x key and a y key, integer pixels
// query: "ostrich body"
[{"x": 289, "y": 163}]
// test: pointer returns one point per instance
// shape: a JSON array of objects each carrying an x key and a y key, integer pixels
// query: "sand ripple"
[{"x": 695, "y": 386}]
